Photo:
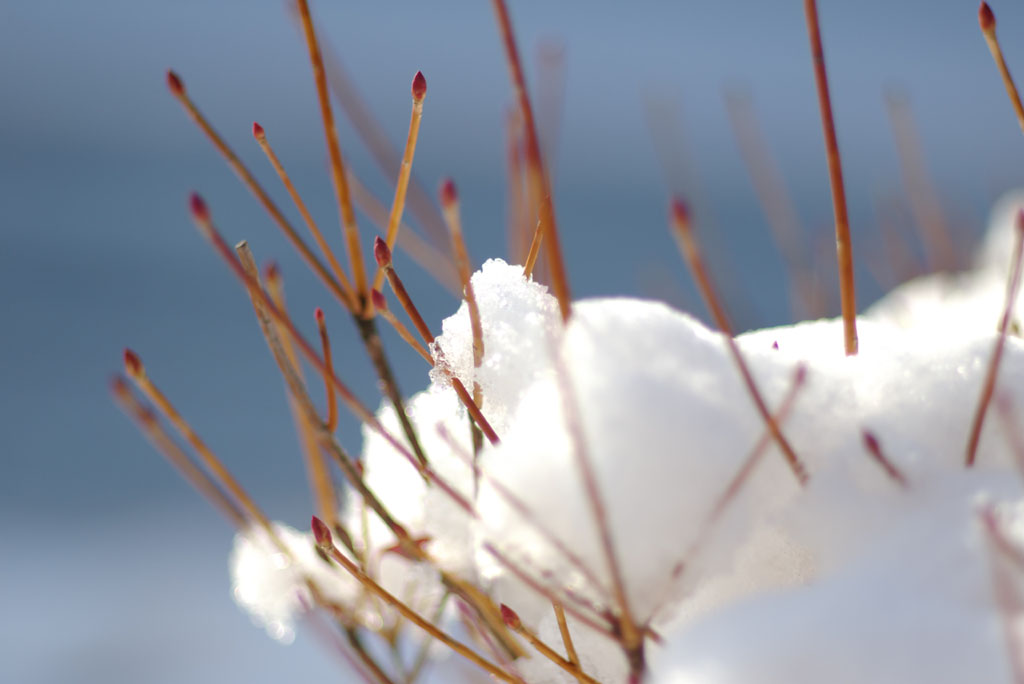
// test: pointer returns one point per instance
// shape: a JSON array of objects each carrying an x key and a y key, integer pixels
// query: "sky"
[{"x": 97, "y": 252}]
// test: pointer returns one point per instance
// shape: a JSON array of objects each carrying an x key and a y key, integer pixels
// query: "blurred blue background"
[{"x": 112, "y": 569}]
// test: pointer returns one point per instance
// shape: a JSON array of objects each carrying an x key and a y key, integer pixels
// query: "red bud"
[
  {"x": 510, "y": 617},
  {"x": 449, "y": 195},
  {"x": 198, "y": 207},
  {"x": 322, "y": 533},
  {"x": 379, "y": 302},
  {"x": 132, "y": 363},
  {"x": 118, "y": 386},
  {"x": 419, "y": 86},
  {"x": 680, "y": 212},
  {"x": 986, "y": 19},
  {"x": 175, "y": 85},
  {"x": 381, "y": 252},
  {"x": 871, "y": 442}
]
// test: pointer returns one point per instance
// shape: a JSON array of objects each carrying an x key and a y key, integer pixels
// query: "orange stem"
[
  {"x": 844, "y": 246},
  {"x": 539, "y": 182}
]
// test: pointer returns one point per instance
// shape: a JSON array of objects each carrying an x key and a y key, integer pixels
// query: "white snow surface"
[
  {"x": 915, "y": 604},
  {"x": 621, "y": 430},
  {"x": 648, "y": 399},
  {"x": 901, "y": 586}
]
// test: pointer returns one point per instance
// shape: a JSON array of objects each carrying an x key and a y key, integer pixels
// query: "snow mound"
[
  {"x": 623, "y": 432},
  {"x": 650, "y": 399}
]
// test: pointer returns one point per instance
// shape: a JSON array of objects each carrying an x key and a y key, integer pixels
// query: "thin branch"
[
  {"x": 325, "y": 542},
  {"x": 539, "y": 182},
  {"x": 348, "y": 217},
  {"x": 690, "y": 250},
  {"x": 844, "y": 246},
  {"x": 989, "y": 385},
  {"x": 517, "y": 626}
]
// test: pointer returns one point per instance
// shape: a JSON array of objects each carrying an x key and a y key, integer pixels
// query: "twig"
[
  {"x": 844, "y": 247},
  {"x": 527, "y": 515},
  {"x": 570, "y": 648},
  {"x": 325, "y": 542},
  {"x": 875, "y": 449},
  {"x": 776, "y": 203},
  {"x": 151, "y": 428},
  {"x": 539, "y": 183},
  {"x": 261, "y": 138},
  {"x": 989, "y": 385},
  {"x": 924, "y": 203},
  {"x": 382, "y": 254},
  {"x": 316, "y": 464},
  {"x": 137, "y": 372},
  {"x": 419, "y": 91},
  {"x": 325, "y": 345},
  {"x": 630, "y": 635},
  {"x": 987, "y": 21},
  {"x": 343, "y": 293},
  {"x": 575, "y": 604},
  {"x": 517, "y": 626},
  {"x": 690, "y": 250},
  {"x": 348, "y": 217}
]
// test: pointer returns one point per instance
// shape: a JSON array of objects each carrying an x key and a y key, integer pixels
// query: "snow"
[
  {"x": 900, "y": 587},
  {"x": 949, "y": 304},
  {"x": 636, "y": 414},
  {"x": 664, "y": 426},
  {"x": 425, "y": 511},
  {"x": 273, "y": 587},
  {"x": 597, "y": 653},
  {"x": 914, "y": 605},
  {"x": 516, "y": 316}
]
